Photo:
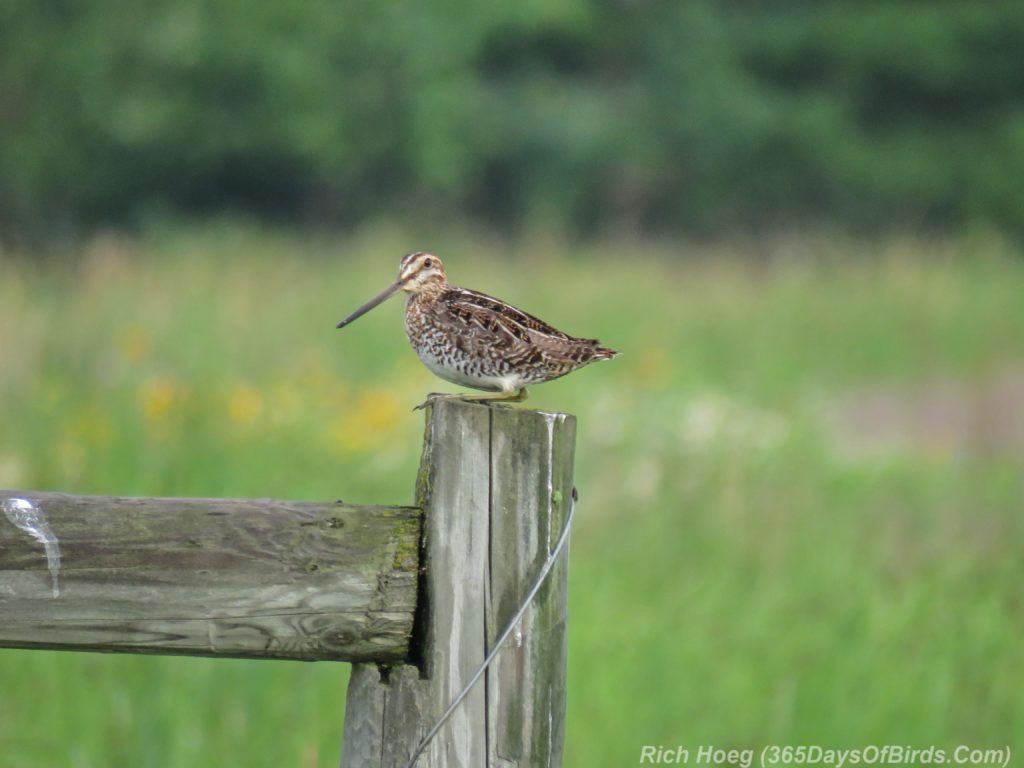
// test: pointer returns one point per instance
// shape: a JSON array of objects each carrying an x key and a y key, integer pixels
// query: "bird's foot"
[
  {"x": 432, "y": 397},
  {"x": 512, "y": 396}
]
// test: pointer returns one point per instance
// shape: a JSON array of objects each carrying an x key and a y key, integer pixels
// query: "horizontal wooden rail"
[{"x": 208, "y": 577}]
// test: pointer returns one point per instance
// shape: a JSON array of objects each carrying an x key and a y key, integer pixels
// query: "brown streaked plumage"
[{"x": 476, "y": 340}]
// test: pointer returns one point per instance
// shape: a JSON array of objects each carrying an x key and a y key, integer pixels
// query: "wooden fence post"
[{"x": 495, "y": 484}]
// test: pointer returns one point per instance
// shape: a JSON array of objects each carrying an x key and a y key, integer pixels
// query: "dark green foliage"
[{"x": 653, "y": 114}]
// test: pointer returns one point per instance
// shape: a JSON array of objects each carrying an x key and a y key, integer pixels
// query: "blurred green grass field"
[{"x": 749, "y": 566}]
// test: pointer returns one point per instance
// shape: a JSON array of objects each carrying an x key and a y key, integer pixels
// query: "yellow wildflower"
[
  {"x": 245, "y": 405},
  {"x": 371, "y": 423},
  {"x": 158, "y": 398}
]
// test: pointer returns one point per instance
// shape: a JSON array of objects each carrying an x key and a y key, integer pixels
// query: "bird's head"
[{"x": 418, "y": 271}]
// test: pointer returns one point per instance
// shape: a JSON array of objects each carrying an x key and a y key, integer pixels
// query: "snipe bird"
[{"x": 477, "y": 341}]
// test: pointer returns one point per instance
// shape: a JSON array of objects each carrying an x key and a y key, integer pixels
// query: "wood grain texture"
[
  {"x": 453, "y": 489},
  {"x": 531, "y": 489},
  {"x": 208, "y": 577},
  {"x": 493, "y": 485}
]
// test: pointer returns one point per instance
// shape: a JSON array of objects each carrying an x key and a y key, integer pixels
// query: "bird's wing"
[{"x": 502, "y": 323}]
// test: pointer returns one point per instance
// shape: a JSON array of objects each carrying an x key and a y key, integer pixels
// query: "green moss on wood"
[{"x": 407, "y": 551}]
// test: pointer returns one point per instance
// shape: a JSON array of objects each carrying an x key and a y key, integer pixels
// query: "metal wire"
[{"x": 541, "y": 577}]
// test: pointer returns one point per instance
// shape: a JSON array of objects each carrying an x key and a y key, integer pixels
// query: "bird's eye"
[{"x": 428, "y": 263}]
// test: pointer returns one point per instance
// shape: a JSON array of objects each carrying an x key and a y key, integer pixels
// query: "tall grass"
[{"x": 737, "y": 578}]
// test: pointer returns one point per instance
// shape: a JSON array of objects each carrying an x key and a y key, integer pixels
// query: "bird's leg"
[{"x": 509, "y": 396}]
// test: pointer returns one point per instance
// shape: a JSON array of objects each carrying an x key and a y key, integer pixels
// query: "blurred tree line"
[{"x": 697, "y": 115}]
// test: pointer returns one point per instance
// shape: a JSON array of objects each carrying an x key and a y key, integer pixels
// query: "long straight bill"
[{"x": 384, "y": 295}]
